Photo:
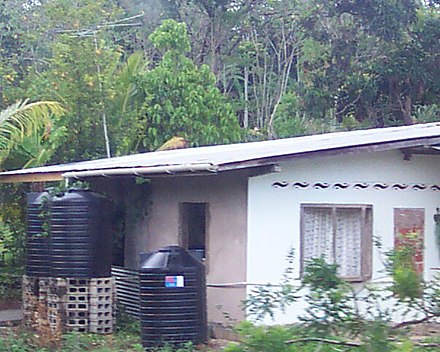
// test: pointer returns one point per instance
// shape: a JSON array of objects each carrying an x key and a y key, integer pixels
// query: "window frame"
[
  {"x": 183, "y": 235},
  {"x": 366, "y": 236}
]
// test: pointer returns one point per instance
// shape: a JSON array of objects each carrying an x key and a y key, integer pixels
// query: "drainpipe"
[{"x": 143, "y": 171}]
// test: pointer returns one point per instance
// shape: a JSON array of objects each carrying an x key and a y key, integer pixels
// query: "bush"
[
  {"x": 10, "y": 287},
  {"x": 261, "y": 339},
  {"x": 274, "y": 338},
  {"x": 187, "y": 347},
  {"x": 330, "y": 307}
]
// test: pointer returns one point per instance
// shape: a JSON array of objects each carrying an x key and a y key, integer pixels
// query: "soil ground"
[{"x": 10, "y": 304}]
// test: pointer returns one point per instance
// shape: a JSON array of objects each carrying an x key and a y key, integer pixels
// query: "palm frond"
[
  {"x": 23, "y": 118},
  {"x": 134, "y": 66},
  {"x": 174, "y": 143}
]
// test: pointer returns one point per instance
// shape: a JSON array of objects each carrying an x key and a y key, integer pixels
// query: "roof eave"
[
  {"x": 32, "y": 177},
  {"x": 179, "y": 169},
  {"x": 424, "y": 143},
  {"x": 210, "y": 168}
]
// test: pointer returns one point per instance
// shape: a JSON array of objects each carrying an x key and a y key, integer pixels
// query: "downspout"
[{"x": 142, "y": 171}]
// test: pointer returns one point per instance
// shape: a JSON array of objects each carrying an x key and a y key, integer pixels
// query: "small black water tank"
[
  {"x": 81, "y": 240},
  {"x": 37, "y": 234},
  {"x": 172, "y": 298}
]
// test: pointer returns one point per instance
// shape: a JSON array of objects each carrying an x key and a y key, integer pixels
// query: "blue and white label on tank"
[{"x": 174, "y": 281}]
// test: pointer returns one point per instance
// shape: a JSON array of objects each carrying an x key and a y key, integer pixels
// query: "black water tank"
[
  {"x": 81, "y": 240},
  {"x": 37, "y": 234},
  {"x": 172, "y": 298}
]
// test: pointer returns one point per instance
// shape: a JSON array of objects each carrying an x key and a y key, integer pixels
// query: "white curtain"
[
  {"x": 348, "y": 241},
  {"x": 318, "y": 234},
  {"x": 318, "y": 238}
]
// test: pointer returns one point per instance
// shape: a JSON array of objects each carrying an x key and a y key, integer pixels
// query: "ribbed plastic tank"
[
  {"x": 172, "y": 298},
  {"x": 37, "y": 234},
  {"x": 81, "y": 241}
]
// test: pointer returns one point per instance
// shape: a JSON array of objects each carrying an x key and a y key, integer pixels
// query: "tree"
[
  {"x": 182, "y": 99},
  {"x": 270, "y": 47},
  {"x": 287, "y": 67},
  {"x": 81, "y": 58},
  {"x": 377, "y": 62},
  {"x": 22, "y": 119}
]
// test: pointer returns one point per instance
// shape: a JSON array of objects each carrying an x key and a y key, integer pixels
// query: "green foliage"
[
  {"x": 126, "y": 323},
  {"x": 426, "y": 113},
  {"x": 274, "y": 338},
  {"x": 373, "y": 62},
  {"x": 329, "y": 300},
  {"x": 125, "y": 105},
  {"x": 262, "y": 339},
  {"x": 16, "y": 344},
  {"x": 23, "y": 340},
  {"x": 13, "y": 220},
  {"x": 286, "y": 68},
  {"x": 72, "y": 76},
  {"x": 10, "y": 278},
  {"x": 376, "y": 336},
  {"x": 10, "y": 286},
  {"x": 407, "y": 283},
  {"x": 262, "y": 302},
  {"x": 321, "y": 276},
  {"x": 88, "y": 70},
  {"x": 265, "y": 299},
  {"x": 332, "y": 308},
  {"x": 6, "y": 238},
  {"x": 44, "y": 214},
  {"x": 437, "y": 230},
  {"x": 291, "y": 120},
  {"x": 171, "y": 36},
  {"x": 35, "y": 150},
  {"x": 22, "y": 119},
  {"x": 122, "y": 341},
  {"x": 186, "y": 347},
  {"x": 182, "y": 99}
]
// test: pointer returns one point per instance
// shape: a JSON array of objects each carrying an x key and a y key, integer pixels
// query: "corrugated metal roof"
[{"x": 231, "y": 156}]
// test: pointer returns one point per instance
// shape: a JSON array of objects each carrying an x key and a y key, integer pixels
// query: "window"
[
  {"x": 193, "y": 228},
  {"x": 409, "y": 229},
  {"x": 342, "y": 234}
]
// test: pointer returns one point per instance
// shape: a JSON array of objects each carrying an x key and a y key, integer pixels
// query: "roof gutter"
[{"x": 144, "y": 171}]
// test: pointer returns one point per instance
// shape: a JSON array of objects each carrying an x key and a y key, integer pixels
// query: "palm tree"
[{"x": 22, "y": 119}]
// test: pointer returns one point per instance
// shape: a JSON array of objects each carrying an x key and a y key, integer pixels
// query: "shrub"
[{"x": 261, "y": 339}]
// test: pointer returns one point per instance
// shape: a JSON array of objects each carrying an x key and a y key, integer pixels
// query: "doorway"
[{"x": 193, "y": 228}]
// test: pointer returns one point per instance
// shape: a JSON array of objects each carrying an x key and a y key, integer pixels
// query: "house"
[{"x": 243, "y": 206}]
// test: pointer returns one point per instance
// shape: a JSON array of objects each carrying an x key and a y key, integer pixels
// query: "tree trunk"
[
  {"x": 246, "y": 98},
  {"x": 406, "y": 108}
]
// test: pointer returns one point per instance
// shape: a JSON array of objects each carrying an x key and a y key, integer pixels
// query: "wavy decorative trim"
[
  {"x": 378, "y": 186},
  {"x": 280, "y": 184},
  {"x": 301, "y": 184},
  {"x": 321, "y": 185}
]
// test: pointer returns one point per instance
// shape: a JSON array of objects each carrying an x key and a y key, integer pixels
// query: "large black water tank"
[
  {"x": 81, "y": 240},
  {"x": 37, "y": 234},
  {"x": 172, "y": 298}
]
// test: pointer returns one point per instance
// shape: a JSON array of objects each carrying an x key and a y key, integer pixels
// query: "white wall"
[{"x": 274, "y": 213}]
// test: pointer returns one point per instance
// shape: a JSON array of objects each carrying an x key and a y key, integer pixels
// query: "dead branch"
[
  {"x": 412, "y": 322},
  {"x": 427, "y": 344},
  {"x": 351, "y": 343},
  {"x": 327, "y": 341}
]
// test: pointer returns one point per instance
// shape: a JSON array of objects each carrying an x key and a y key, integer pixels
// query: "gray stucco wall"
[
  {"x": 132, "y": 200},
  {"x": 226, "y": 196},
  {"x": 152, "y": 221}
]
